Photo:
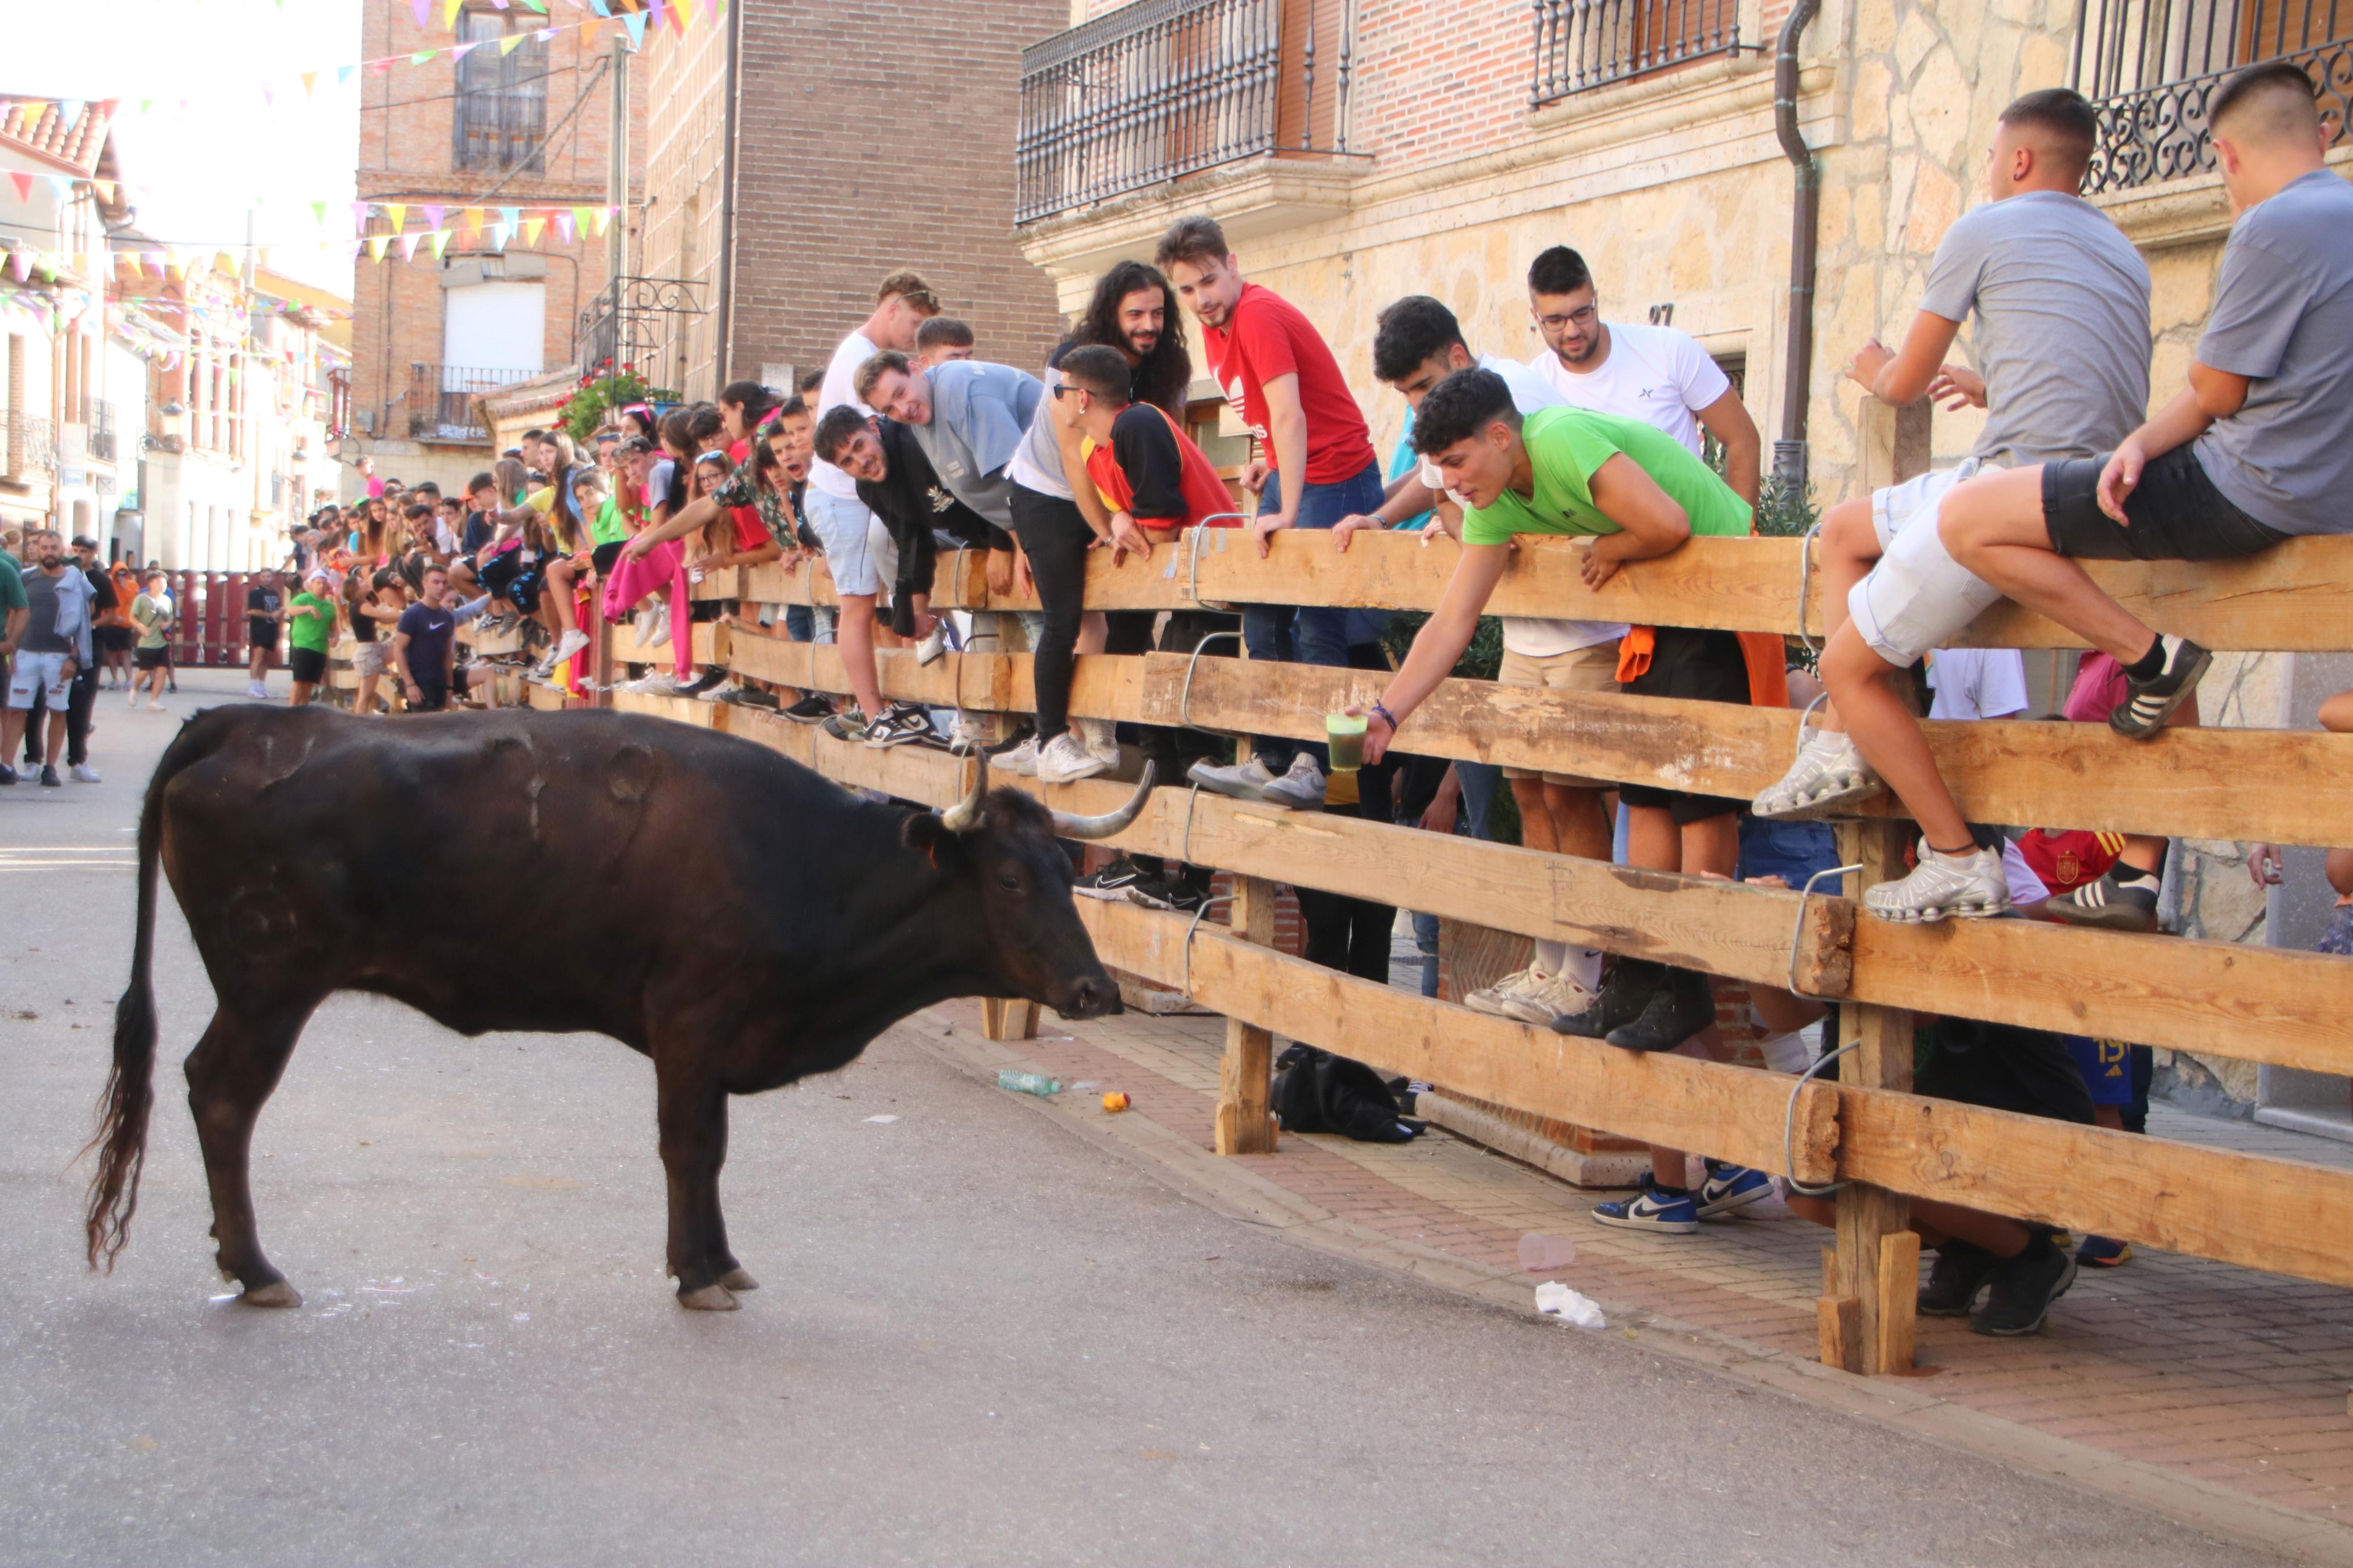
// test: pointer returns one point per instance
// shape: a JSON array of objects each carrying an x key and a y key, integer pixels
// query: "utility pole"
[{"x": 616, "y": 194}]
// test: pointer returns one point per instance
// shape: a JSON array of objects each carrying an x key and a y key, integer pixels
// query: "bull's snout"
[{"x": 1094, "y": 997}]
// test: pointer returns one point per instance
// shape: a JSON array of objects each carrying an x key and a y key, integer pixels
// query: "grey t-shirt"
[
  {"x": 41, "y": 630},
  {"x": 2282, "y": 317},
  {"x": 979, "y": 414},
  {"x": 2062, "y": 338}
]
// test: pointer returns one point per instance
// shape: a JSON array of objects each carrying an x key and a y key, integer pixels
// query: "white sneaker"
[
  {"x": 155, "y": 705},
  {"x": 645, "y": 620},
  {"x": 1301, "y": 788},
  {"x": 1493, "y": 999},
  {"x": 660, "y": 638},
  {"x": 1065, "y": 761},
  {"x": 1828, "y": 773},
  {"x": 934, "y": 644},
  {"x": 131, "y": 701},
  {"x": 1971, "y": 886},
  {"x": 971, "y": 729},
  {"x": 571, "y": 643},
  {"x": 1022, "y": 761},
  {"x": 659, "y": 683},
  {"x": 722, "y": 692},
  {"x": 257, "y": 690},
  {"x": 84, "y": 773},
  {"x": 1243, "y": 780},
  {"x": 1101, "y": 740},
  {"x": 1547, "y": 997}
]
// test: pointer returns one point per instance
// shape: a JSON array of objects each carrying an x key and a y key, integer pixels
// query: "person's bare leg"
[
  {"x": 1580, "y": 823},
  {"x": 854, "y": 631},
  {"x": 558, "y": 595},
  {"x": 1844, "y": 552},
  {"x": 1890, "y": 739},
  {"x": 12, "y": 733},
  {"x": 56, "y": 755},
  {"x": 1536, "y": 827},
  {"x": 1993, "y": 525}
]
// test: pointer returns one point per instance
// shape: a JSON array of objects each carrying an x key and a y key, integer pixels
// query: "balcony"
[
  {"x": 1585, "y": 43},
  {"x": 98, "y": 434},
  {"x": 2150, "y": 66},
  {"x": 441, "y": 399},
  {"x": 1163, "y": 88},
  {"x": 28, "y": 446}
]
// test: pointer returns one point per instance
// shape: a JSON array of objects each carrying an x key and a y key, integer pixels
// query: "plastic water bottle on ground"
[{"x": 1034, "y": 1083}]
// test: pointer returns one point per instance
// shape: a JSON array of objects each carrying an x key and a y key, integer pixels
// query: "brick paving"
[{"x": 2198, "y": 1368}]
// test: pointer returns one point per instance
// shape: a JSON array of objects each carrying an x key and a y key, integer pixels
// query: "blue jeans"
[
  {"x": 1290, "y": 633},
  {"x": 1479, "y": 782},
  {"x": 800, "y": 623}
]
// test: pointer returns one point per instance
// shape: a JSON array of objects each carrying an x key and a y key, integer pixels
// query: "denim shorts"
[
  {"x": 842, "y": 526},
  {"x": 2177, "y": 513}
]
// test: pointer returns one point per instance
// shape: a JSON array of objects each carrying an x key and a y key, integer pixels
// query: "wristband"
[{"x": 1389, "y": 717}]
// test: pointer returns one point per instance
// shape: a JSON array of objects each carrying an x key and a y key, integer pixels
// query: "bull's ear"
[{"x": 935, "y": 838}]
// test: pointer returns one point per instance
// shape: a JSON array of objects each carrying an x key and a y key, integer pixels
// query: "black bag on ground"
[{"x": 1316, "y": 1092}]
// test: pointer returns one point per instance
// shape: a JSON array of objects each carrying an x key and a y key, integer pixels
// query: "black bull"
[{"x": 735, "y": 916}]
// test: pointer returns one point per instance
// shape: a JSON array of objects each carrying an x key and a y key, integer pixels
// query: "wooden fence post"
[
  {"x": 1878, "y": 1258},
  {"x": 1008, "y": 1018},
  {"x": 1245, "y": 1124}
]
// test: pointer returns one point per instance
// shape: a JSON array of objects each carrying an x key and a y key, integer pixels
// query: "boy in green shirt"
[
  {"x": 1637, "y": 493},
  {"x": 310, "y": 623}
]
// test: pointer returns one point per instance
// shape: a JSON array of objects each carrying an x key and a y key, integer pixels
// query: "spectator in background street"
[
  {"x": 14, "y": 610},
  {"x": 55, "y": 644},
  {"x": 115, "y": 632},
  {"x": 151, "y": 617},
  {"x": 310, "y": 626},
  {"x": 1316, "y": 466},
  {"x": 425, "y": 645},
  {"x": 265, "y": 612},
  {"x": 942, "y": 339}
]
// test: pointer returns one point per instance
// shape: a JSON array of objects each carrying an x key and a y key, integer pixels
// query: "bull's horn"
[
  {"x": 964, "y": 816},
  {"x": 1066, "y": 825}
]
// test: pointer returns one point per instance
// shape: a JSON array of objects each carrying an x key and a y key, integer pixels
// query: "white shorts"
[
  {"x": 843, "y": 528},
  {"x": 373, "y": 658},
  {"x": 884, "y": 550},
  {"x": 1918, "y": 597},
  {"x": 41, "y": 672}
]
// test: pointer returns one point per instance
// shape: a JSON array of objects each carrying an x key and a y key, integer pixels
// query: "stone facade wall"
[{"x": 686, "y": 197}]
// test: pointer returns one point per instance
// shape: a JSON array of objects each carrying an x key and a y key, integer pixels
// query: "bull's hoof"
[
  {"x": 707, "y": 1298},
  {"x": 739, "y": 1278},
  {"x": 277, "y": 1293}
]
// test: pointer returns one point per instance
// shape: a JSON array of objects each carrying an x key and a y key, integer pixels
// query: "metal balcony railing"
[
  {"x": 1163, "y": 88},
  {"x": 98, "y": 434},
  {"x": 441, "y": 399},
  {"x": 2150, "y": 66},
  {"x": 29, "y": 445},
  {"x": 1586, "y": 44}
]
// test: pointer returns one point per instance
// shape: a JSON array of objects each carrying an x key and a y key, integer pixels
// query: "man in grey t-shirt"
[{"x": 968, "y": 416}]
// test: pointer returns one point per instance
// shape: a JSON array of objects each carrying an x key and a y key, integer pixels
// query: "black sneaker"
[
  {"x": 1112, "y": 883},
  {"x": 1161, "y": 893},
  {"x": 1682, "y": 1004},
  {"x": 2024, "y": 1289},
  {"x": 748, "y": 697},
  {"x": 1022, "y": 732},
  {"x": 2109, "y": 903},
  {"x": 2148, "y": 704},
  {"x": 7, "y": 775},
  {"x": 900, "y": 723},
  {"x": 708, "y": 680},
  {"x": 1959, "y": 1272},
  {"x": 810, "y": 709},
  {"x": 1625, "y": 992},
  {"x": 49, "y": 779}
]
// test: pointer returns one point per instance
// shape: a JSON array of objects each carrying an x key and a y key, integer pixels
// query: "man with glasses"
[{"x": 1657, "y": 375}]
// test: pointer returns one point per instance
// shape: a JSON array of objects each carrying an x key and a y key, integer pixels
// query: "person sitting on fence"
[
  {"x": 1417, "y": 344},
  {"x": 2060, "y": 301},
  {"x": 941, "y": 339},
  {"x": 2257, "y": 449}
]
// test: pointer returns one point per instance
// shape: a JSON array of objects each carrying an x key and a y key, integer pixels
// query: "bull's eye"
[{"x": 1009, "y": 880}]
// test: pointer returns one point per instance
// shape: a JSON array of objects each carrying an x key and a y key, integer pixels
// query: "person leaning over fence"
[
  {"x": 1418, "y": 344},
  {"x": 2257, "y": 449},
  {"x": 2061, "y": 304},
  {"x": 942, "y": 339},
  {"x": 1316, "y": 466}
]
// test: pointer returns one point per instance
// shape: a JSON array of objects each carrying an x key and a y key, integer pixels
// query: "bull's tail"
[{"x": 122, "y": 1137}]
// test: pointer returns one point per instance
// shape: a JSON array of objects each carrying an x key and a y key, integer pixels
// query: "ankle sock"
[{"x": 2148, "y": 666}]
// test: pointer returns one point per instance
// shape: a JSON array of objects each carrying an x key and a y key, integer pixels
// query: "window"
[{"x": 501, "y": 97}]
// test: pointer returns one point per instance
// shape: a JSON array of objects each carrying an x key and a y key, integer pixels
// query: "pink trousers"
[{"x": 662, "y": 569}]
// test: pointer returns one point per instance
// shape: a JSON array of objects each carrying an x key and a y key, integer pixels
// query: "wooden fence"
[{"x": 1864, "y": 1129}]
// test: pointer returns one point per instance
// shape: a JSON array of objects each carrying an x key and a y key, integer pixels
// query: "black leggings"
[{"x": 1055, "y": 536}]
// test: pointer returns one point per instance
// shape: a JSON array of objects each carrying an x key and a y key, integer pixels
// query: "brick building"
[
  {"x": 526, "y": 124},
  {"x": 857, "y": 137}
]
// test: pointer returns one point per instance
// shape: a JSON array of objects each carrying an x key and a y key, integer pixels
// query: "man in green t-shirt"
[
  {"x": 1637, "y": 493},
  {"x": 310, "y": 624},
  {"x": 15, "y": 608}
]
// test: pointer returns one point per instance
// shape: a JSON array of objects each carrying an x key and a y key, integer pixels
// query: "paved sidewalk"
[{"x": 2200, "y": 1389}]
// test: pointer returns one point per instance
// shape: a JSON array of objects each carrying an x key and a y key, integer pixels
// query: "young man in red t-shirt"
[{"x": 1316, "y": 466}]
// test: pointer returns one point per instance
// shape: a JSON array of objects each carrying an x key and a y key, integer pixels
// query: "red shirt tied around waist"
[
  {"x": 1152, "y": 470},
  {"x": 1266, "y": 337}
]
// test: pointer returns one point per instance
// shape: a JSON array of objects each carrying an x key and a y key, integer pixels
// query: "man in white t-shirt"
[
  {"x": 1418, "y": 344},
  {"x": 1656, "y": 375},
  {"x": 902, "y": 302},
  {"x": 1978, "y": 683}
]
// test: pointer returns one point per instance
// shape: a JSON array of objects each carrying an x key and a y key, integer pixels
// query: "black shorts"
[
  {"x": 604, "y": 555},
  {"x": 262, "y": 635},
  {"x": 434, "y": 699},
  {"x": 522, "y": 589},
  {"x": 1699, "y": 666},
  {"x": 2177, "y": 513},
  {"x": 2004, "y": 1068},
  {"x": 500, "y": 570},
  {"x": 308, "y": 665},
  {"x": 149, "y": 658},
  {"x": 113, "y": 639}
]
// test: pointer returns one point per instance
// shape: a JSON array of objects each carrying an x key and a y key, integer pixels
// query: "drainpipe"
[
  {"x": 1797, "y": 386},
  {"x": 730, "y": 127}
]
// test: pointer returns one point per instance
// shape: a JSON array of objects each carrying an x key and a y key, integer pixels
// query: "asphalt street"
[{"x": 981, "y": 1340}]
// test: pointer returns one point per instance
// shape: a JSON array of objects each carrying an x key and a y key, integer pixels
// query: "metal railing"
[
  {"x": 2150, "y": 68},
  {"x": 1586, "y": 44},
  {"x": 1163, "y": 88},
  {"x": 28, "y": 445},
  {"x": 441, "y": 399},
  {"x": 98, "y": 434},
  {"x": 631, "y": 320}
]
